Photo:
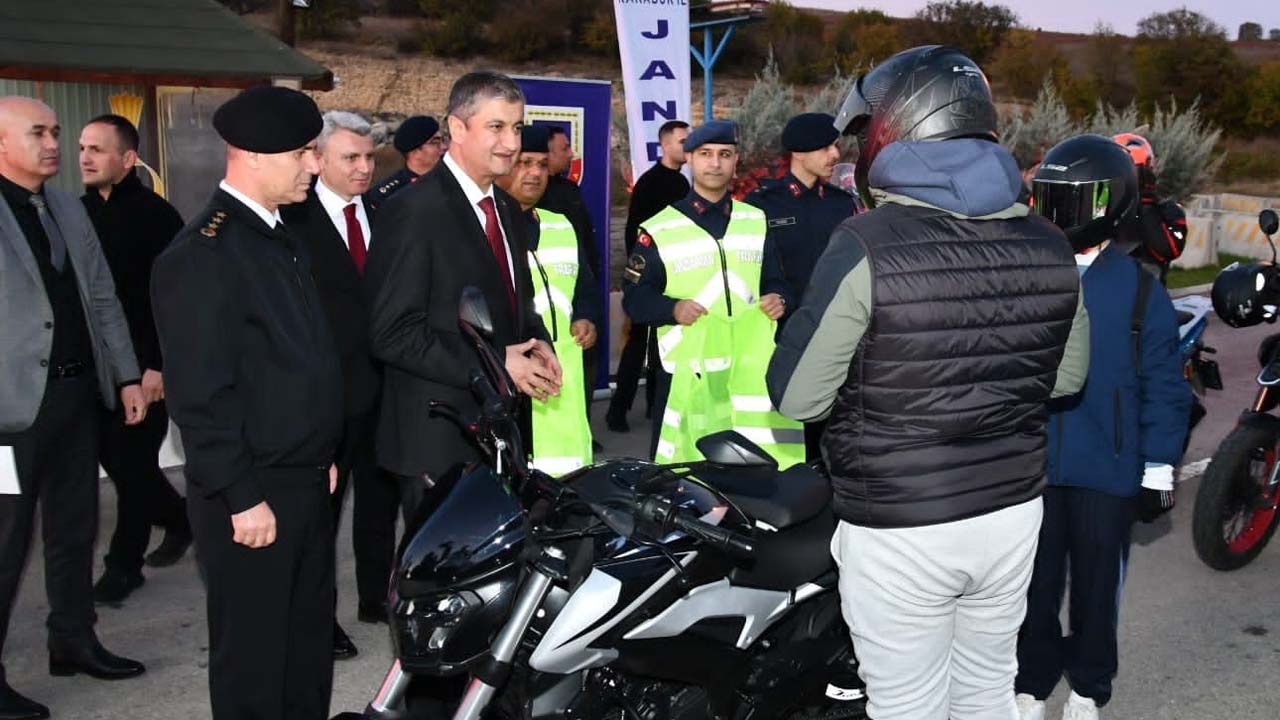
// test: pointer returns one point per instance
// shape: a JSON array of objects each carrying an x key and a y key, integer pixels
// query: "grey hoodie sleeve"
[
  {"x": 1074, "y": 367},
  {"x": 817, "y": 344}
]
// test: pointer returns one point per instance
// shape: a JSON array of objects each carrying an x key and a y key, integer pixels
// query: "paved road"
[{"x": 1195, "y": 644}]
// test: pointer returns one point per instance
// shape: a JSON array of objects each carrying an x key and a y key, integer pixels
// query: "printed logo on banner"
[
  {"x": 653, "y": 41},
  {"x": 572, "y": 120}
]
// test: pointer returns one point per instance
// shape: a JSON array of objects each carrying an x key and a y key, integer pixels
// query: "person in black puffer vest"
[{"x": 934, "y": 330}]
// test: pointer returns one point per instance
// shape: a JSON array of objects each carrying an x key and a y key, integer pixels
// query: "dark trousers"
[
  {"x": 377, "y": 500},
  {"x": 57, "y": 462},
  {"x": 1085, "y": 533},
  {"x": 590, "y": 367},
  {"x": 661, "y": 391},
  {"x": 641, "y": 343},
  {"x": 131, "y": 456},
  {"x": 270, "y": 609}
]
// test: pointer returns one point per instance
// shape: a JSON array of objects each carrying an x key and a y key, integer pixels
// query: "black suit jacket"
[
  {"x": 428, "y": 245},
  {"x": 342, "y": 296}
]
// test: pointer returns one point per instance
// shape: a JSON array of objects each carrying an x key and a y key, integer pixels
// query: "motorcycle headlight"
[{"x": 423, "y": 627}]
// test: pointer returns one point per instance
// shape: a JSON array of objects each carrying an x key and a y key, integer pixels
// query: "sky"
[{"x": 1081, "y": 15}]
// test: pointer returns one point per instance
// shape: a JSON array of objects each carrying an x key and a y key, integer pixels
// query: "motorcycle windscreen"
[{"x": 473, "y": 525}]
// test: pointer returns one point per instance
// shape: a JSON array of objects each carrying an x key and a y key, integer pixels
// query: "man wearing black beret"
[
  {"x": 253, "y": 381},
  {"x": 802, "y": 210},
  {"x": 418, "y": 140}
]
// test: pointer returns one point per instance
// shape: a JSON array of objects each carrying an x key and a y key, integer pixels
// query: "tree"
[
  {"x": 1250, "y": 31},
  {"x": 796, "y": 39},
  {"x": 329, "y": 19},
  {"x": 1264, "y": 99},
  {"x": 864, "y": 38},
  {"x": 1178, "y": 25},
  {"x": 971, "y": 25},
  {"x": 1021, "y": 62},
  {"x": 1105, "y": 48},
  {"x": 1274, "y": 35}
]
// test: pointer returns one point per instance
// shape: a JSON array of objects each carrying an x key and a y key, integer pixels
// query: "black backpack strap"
[{"x": 1139, "y": 312}]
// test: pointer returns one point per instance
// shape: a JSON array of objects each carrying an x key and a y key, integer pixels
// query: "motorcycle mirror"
[
  {"x": 1269, "y": 222},
  {"x": 473, "y": 310}
]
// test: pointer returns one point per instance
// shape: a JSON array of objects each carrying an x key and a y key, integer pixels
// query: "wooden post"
[{"x": 285, "y": 22}]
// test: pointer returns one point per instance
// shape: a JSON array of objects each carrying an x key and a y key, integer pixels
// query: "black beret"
[
  {"x": 415, "y": 132},
  {"x": 534, "y": 139},
  {"x": 268, "y": 119},
  {"x": 809, "y": 131},
  {"x": 720, "y": 132}
]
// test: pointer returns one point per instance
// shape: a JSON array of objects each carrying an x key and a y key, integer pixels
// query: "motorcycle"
[
  {"x": 621, "y": 590},
  {"x": 1200, "y": 372},
  {"x": 1235, "y": 508}
]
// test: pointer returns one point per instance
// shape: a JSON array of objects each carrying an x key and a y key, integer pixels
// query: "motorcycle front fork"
[{"x": 389, "y": 702}]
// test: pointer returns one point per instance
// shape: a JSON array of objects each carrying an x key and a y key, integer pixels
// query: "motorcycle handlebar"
[{"x": 667, "y": 516}]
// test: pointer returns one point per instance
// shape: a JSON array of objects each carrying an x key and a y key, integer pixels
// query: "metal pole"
[
  {"x": 708, "y": 62},
  {"x": 284, "y": 22}
]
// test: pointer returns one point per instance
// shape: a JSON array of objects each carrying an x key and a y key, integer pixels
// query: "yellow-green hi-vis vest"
[
  {"x": 561, "y": 435},
  {"x": 718, "y": 364}
]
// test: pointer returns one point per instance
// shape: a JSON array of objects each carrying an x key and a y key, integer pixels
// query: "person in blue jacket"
[{"x": 1112, "y": 447}]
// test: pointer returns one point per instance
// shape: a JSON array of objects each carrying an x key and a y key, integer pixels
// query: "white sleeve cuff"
[{"x": 1157, "y": 476}]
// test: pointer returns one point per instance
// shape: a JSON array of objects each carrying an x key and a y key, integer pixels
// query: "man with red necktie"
[
  {"x": 335, "y": 221},
  {"x": 452, "y": 229}
]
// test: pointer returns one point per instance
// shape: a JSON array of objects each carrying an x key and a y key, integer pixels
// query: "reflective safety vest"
[
  {"x": 718, "y": 364},
  {"x": 561, "y": 434}
]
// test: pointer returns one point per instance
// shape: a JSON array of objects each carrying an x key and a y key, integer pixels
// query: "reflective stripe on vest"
[{"x": 561, "y": 434}]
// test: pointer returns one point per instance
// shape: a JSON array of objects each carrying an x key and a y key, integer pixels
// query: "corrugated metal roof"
[{"x": 173, "y": 42}]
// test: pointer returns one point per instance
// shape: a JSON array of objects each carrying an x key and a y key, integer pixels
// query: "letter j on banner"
[{"x": 653, "y": 39}]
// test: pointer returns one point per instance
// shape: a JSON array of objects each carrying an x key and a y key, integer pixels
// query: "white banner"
[{"x": 653, "y": 38}]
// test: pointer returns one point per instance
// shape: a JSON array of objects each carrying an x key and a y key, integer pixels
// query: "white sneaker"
[
  {"x": 1079, "y": 707},
  {"x": 1029, "y": 708}
]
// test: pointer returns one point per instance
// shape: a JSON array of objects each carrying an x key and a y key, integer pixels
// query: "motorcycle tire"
[{"x": 1235, "y": 514}]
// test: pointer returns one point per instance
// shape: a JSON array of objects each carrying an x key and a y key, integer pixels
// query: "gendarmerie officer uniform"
[
  {"x": 412, "y": 134},
  {"x": 800, "y": 220},
  {"x": 254, "y": 382},
  {"x": 645, "y": 277}
]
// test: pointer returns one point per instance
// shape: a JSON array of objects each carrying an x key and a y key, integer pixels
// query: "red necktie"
[
  {"x": 355, "y": 237},
  {"x": 494, "y": 232}
]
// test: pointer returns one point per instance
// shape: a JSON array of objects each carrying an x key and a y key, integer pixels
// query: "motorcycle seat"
[
  {"x": 787, "y": 559},
  {"x": 776, "y": 499}
]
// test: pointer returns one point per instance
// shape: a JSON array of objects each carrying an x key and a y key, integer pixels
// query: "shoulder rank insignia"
[{"x": 211, "y": 228}]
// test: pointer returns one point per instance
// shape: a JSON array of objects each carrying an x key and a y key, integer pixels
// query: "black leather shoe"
[
  {"x": 375, "y": 612},
  {"x": 171, "y": 549},
  {"x": 617, "y": 423},
  {"x": 14, "y": 706},
  {"x": 93, "y": 660},
  {"x": 113, "y": 587},
  {"x": 343, "y": 648}
]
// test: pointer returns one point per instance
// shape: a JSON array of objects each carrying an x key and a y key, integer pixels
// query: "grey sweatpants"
[{"x": 935, "y": 611}]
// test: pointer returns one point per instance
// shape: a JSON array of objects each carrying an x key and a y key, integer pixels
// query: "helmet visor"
[
  {"x": 854, "y": 112},
  {"x": 1070, "y": 204}
]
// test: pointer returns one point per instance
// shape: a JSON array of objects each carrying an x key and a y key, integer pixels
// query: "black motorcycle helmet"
[
  {"x": 933, "y": 92},
  {"x": 1242, "y": 296},
  {"x": 1087, "y": 185}
]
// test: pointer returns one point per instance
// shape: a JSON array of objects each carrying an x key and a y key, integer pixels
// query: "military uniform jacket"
[
  {"x": 252, "y": 375},
  {"x": 392, "y": 185},
  {"x": 800, "y": 220}
]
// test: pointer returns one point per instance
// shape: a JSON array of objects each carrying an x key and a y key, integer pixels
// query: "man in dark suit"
[
  {"x": 134, "y": 226},
  {"x": 450, "y": 230},
  {"x": 64, "y": 348},
  {"x": 335, "y": 221}
]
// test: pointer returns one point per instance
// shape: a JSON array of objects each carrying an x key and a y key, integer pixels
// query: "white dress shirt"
[
  {"x": 335, "y": 206},
  {"x": 474, "y": 196},
  {"x": 270, "y": 218}
]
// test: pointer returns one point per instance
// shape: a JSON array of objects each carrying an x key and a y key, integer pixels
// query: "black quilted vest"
[{"x": 942, "y": 415}]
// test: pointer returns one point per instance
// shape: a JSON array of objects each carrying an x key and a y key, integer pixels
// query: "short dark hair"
[
  {"x": 125, "y": 130},
  {"x": 473, "y": 87},
  {"x": 554, "y": 130},
  {"x": 671, "y": 126}
]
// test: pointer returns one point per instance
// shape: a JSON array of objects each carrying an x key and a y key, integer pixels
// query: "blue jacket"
[{"x": 1101, "y": 437}]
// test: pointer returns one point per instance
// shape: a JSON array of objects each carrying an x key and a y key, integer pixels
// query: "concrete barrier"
[
  {"x": 1224, "y": 223},
  {"x": 1201, "y": 250}
]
